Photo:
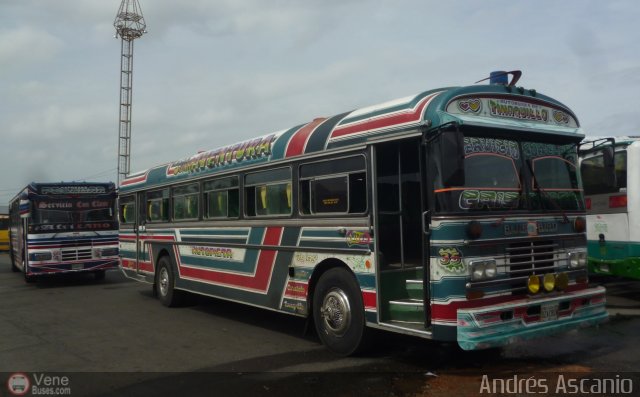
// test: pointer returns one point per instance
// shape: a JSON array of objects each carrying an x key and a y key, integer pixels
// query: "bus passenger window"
[
  {"x": 127, "y": 210},
  {"x": 158, "y": 206},
  {"x": 273, "y": 199},
  {"x": 337, "y": 186},
  {"x": 185, "y": 202},
  {"x": 222, "y": 198},
  {"x": 268, "y": 193}
]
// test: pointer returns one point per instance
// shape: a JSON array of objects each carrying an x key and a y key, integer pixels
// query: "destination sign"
[
  {"x": 72, "y": 189},
  {"x": 506, "y": 108}
]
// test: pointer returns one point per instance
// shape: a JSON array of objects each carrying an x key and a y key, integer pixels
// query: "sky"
[{"x": 209, "y": 73}]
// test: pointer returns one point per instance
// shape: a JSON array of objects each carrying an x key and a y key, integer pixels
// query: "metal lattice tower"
[{"x": 130, "y": 25}]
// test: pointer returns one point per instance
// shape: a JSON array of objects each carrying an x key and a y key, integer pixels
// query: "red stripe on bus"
[
  {"x": 299, "y": 140},
  {"x": 264, "y": 269},
  {"x": 385, "y": 120}
]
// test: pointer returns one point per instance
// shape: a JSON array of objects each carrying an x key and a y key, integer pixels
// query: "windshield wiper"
[{"x": 542, "y": 192}]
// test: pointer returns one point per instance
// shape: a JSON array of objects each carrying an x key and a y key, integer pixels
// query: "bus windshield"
[
  {"x": 509, "y": 174},
  {"x": 72, "y": 211}
]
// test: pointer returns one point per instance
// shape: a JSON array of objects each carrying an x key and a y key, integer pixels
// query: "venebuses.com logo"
[{"x": 18, "y": 384}]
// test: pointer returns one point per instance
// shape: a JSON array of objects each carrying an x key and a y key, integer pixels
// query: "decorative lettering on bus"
[
  {"x": 213, "y": 252},
  {"x": 358, "y": 238},
  {"x": 488, "y": 199},
  {"x": 73, "y": 190},
  {"x": 60, "y": 227},
  {"x": 518, "y": 110},
  {"x": 491, "y": 145},
  {"x": 253, "y": 149}
]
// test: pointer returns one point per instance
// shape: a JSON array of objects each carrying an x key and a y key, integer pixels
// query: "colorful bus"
[
  {"x": 64, "y": 228},
  {"x": 456, "y": 214},
  {"x": 4, "y": 232},
  {"x": 613, "y": 204}
]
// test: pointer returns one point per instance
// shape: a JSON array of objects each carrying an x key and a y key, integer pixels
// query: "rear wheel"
[
  {"x": 165, "y": 284},
  {"x": 338, "y": 312}
]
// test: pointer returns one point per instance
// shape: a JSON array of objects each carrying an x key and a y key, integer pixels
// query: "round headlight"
[
  {"x": 562, "y": 281},
  {"x": 478, "y": 271},
  {"x": 573, "y": 260},
  {"x": 549, "y": 282},
  {"x": 533, "y": 284},
  {"x": 490, "y": 270}
]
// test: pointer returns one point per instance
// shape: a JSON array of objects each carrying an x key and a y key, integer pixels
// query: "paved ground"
[{"x": 113, "y": 337}]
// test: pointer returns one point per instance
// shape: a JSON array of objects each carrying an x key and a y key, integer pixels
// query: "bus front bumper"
[{"x": 528, "y": 318}]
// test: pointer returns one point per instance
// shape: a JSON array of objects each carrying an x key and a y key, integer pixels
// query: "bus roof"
[{"x": 494, "y": 106}]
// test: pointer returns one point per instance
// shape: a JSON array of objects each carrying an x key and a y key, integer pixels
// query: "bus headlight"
[
  {"x": 483, "y": 269},
  {"x": 577, "y": 259},
  {"x": 533, "y": 284},
  {"x": 549, "y": 282},
  {"x": 104, "y": 252},
  {"x": 40, "y": 256}
]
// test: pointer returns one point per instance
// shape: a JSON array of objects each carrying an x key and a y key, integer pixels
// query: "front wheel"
[
  {"x": 27, "y": 278},
  {"x": 338, "y": 312},
  {"x": 165, "y": 284}
]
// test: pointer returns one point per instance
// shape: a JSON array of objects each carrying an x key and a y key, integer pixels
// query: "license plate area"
[
  {"x": 77, "y": 266},
  {"x": 549, "y": 311}
]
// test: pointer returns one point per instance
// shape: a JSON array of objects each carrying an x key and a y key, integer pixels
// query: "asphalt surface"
[{"x": 113, "y": 337}]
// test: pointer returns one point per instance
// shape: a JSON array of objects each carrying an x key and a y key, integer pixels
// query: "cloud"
[{"x": 27, "y": 46}]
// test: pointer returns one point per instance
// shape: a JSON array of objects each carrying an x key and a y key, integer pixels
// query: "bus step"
[
  {"x": 407, "y": 310},
  {"x": 414, "y": 289}
]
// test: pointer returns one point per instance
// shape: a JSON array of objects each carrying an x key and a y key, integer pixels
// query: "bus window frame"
[
  {"x": 173, "y": 196},
  {"x": 247, "y": 186},
  {"x": 121, "y": 203},
  {"x": 205, "y": 196},
  {"x": 347, "y": 174},
  {"x": 147, "y": 201}
]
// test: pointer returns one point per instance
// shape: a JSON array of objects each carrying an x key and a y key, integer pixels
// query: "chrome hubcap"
[
  {"x": 163, "y": 281},
  {"x": 336, "y": 312}
]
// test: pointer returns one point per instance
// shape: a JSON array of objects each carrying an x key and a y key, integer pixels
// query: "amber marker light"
[
  {"x": 474, "y": 229},
  {"x": 533, "y": 284},
  {"x": 580, "y": 224},
  {"x": 562, "y": 281},
  {"x": 549, "y": 282}
]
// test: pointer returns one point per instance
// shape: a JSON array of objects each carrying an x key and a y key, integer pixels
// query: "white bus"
[{"x": 613, "y": 204}]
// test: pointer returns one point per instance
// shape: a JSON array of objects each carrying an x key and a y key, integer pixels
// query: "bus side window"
[
  {"x": 336, "y": 186},
  {"x": 158, "y": 206},
  {"x": 127, "y": 209},
  {"x": 269, "y": 192},
  {"x": 222, "y": 198},
  {"x": 186, "y": 200}
]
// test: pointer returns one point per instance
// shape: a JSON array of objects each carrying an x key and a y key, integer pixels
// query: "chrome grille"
[
  {"x": 76, "y": 254},
  {"x": 531, "y": 257}
]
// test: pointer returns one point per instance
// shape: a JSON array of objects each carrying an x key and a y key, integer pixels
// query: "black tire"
[
  {"x": 27, "y": 278},
  {"x": 99, "y": 275},
  {"x": 14, "y": 268},
  {"x": 165, "y": 284},
  {"x": 338, "y": 313}
]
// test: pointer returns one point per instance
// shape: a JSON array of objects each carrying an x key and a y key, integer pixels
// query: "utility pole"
[{"x": 130, "y": 25}]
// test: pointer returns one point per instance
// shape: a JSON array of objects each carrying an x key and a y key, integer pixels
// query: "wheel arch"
[{"x": 320, "y": 269}]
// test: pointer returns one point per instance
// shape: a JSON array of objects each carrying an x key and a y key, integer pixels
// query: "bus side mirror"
[
  {"x": 452, "y": 158},
  {"x": 608, "y": 157}
]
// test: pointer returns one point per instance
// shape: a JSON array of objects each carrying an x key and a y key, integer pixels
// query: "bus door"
[
  {"x": 401, "y": 244},
  {"x": 140, "y": 230}
]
